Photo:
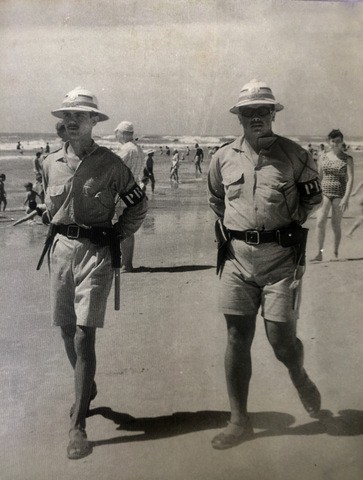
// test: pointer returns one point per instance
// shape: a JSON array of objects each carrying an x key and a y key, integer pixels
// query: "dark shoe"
[
  {"x": 92, "y": 397},
  {"x": 309, "y": 396},
  {"x": 78, "y": 446},
  {"x": 126, "y": 269},
  {"x": 233, "y": 435}
]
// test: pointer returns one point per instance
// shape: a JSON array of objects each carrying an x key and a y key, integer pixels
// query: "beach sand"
[{"x": 160, "y": 375}]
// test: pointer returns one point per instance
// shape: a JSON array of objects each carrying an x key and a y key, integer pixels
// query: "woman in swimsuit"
[{"x": 336, "y": 171}]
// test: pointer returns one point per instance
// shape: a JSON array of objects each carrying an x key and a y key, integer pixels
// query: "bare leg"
[
  {"x": 237, "y": 363},
  {"x": 238, "y": 369},
  {"x": 290, "y": 351},
  {"x": 321, "y": 221},
  {"x": 336, "y": 221},
  {"x": 84, "y": 373},
  {"x": 356, "y": 224}
]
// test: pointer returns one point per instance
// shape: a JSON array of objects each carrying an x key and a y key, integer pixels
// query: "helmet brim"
[
  {"x": 59, "y": 112},
  {"x": 247, "y": 103}
]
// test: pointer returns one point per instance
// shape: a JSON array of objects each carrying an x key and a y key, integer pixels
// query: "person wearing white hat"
[
  {"x": 83, "y": 181},
  {"x": 132, "y": 155},
  {"x": 262, "y": 188}
]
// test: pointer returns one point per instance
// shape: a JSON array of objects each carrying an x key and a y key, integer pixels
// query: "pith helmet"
[
  {"x": 253, "y": 93},
  {"x": 80, "y": 100},
  {"x": 125, "y": 126}
]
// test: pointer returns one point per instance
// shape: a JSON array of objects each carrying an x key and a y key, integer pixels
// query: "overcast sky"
[{"x": 176, "y": 66}]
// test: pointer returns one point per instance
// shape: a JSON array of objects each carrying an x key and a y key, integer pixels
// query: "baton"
[{"x": 117, "y": 288}]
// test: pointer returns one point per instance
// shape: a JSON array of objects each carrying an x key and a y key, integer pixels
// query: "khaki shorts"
[
  {"x": 81, "y": 278},
  {"x": 259, "y": 276}
]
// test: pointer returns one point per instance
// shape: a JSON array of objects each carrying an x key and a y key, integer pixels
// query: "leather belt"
[
  {"x": 255, "y": 237},
  {"x": 75, "y": 231}
]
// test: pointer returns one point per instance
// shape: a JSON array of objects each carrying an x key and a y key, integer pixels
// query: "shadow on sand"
[
  {"x": 175, "y": 269},
  {"x": 266, "y": 424}
]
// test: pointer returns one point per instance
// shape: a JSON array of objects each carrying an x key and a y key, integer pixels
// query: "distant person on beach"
[
  {"x": 82, "y": 183},
  {"x": 359, "y": 220},
  {"x": 187, "y": 153},
  {"x": 160, "y": 150},
  {"x": 19, "y": 147},
  {"x": 148, "y": 173},
  {"x": 198, "y": 159},
  {"x": 174, "y": 169},
  {"x": 336, "y": 171},
  {"x": 38, "y": 172},
  {"x": 37, "y": 163},
  {"x": 31, "y": 198},
  {"x": 262, "y": 188},
  {"x": 167, "y": 151},
  {"x": 3, "y": 200},
  {"x": 133, "y": 157},
  {"x": 47, "y": 148}
]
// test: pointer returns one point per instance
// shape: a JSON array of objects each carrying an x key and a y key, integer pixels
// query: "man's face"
[
  {"x": 256, "y": 120},
  {"x": 79, "y": 124}
]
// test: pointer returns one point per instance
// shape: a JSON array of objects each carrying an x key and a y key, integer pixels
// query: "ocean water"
[{"x": 32, "y": 142}]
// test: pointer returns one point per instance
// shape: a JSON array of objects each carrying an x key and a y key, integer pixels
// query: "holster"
[
  {"x": 222, "y": 239},
  {"x": 294, "y": 236}
]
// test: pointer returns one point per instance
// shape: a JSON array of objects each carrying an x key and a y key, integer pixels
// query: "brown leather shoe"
[
  {"x": 233, "y": 435},
  {"x": 79, "y": 446}
]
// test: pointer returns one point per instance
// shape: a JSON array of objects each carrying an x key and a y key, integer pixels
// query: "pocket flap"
[
  {"x": 55, "y": 190},
  {"x": 233, "y": 177}
]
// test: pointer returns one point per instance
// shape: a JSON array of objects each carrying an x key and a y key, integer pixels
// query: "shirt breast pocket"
[
  {"x": 55, "y": 190},
  {"x": 233, "y": 185}
]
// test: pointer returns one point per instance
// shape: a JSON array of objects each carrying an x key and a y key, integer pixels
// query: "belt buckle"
[
  {"x": 73, "y": 232},
  {"x": 252, "y": 237}
]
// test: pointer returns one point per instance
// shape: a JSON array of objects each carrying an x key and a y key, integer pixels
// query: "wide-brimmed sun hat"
[
  {"x": 150, "y": 151},
  {"x": 253, "y": 93},
  {"x": 125, "y": 126},
  {"x": 80, "y": 100}
]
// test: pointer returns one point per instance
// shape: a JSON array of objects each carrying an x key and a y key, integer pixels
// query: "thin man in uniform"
[{"x": 82, "y": 184}]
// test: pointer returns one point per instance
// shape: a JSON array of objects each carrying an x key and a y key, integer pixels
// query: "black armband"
[
  {"x": 310, "y": 188},
  {"x": 134, "y": 196}
]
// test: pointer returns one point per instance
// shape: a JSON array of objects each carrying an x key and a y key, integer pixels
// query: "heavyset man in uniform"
[
  {"x": 262, "y": 187},
  {"x": 133, "y": 157},
  {"x": 83, "y": 182}
]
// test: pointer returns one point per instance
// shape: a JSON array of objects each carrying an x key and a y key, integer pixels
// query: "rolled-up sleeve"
[
  {"x": 310, "y": 195},
  {"x": 216, "y": 192},
  {"x": 136, "y": 204}
]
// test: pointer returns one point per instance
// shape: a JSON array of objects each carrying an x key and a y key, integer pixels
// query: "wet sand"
[{"x": 160, "y": 376}]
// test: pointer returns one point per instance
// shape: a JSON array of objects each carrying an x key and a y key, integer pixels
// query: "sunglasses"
[{"x": 259, "y": 111}]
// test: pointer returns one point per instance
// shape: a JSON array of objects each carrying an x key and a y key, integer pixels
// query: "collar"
[
  {"x": 87, "y": 151},
  {"x": 264, "y": 142}
]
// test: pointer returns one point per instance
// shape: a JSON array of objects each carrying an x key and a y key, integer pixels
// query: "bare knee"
[
  {"x": 68, "y": 332},
  {"x": 240, "y": 331},
  {"x": 84, "y": 341}
]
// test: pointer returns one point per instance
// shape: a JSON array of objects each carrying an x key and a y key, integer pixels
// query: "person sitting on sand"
[
  {"x": 3, "y": 200},
  {"x": 31, "y": 197},
  {"x": 359, "y": 220},
  {"x": 41, "y": 208},
  {"x": 336, "y": 171}
]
